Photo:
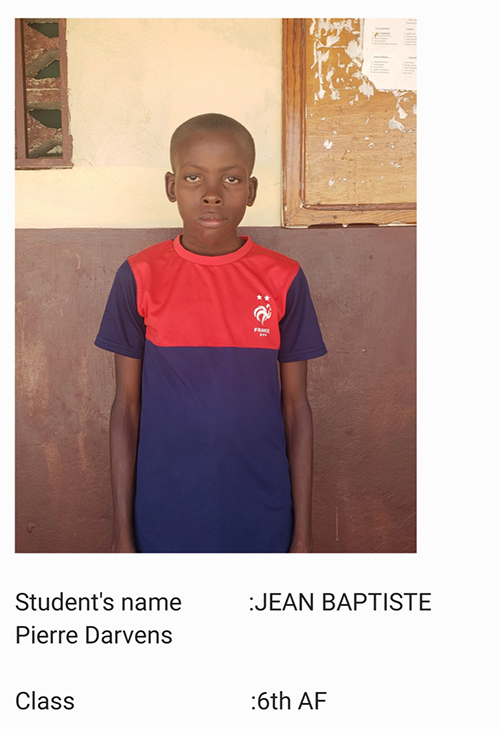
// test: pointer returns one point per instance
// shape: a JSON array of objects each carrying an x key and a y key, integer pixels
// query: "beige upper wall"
[{"x": 131, "y": 82}]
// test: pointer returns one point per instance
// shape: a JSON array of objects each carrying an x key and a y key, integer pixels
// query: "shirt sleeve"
[
  {"x": 299, "y": 329},
  {"x": 122, "y": 328}
]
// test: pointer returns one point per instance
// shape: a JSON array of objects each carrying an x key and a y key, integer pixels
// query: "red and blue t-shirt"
[{"x": 212, "y": 470}]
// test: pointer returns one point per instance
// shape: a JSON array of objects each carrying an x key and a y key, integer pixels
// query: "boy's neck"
[{"x": 215, "y": 248}]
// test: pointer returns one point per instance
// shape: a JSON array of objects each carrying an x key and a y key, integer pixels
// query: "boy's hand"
[
  {"x": 124, "y": 427},
  {"x": 301, "y": 546},
  {"x": 298, "y": 433},
  {"x": 123, "y": 546}
]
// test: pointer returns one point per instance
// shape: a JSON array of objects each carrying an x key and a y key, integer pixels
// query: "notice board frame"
[{"x": 296, "y": 211}]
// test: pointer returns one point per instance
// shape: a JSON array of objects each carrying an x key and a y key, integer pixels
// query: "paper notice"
[{"x": 390, "y": 53}]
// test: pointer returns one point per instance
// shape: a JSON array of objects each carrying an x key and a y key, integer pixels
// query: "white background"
[{"x": 380, "y": 669}]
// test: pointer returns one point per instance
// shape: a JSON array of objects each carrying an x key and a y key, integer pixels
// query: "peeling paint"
[
  {"x": 318, "y": 25},
  {"x": 394, "y": 124},
  {"x": 344, "y": 97},
  {"x": 354, "y": 51},
  {"x": 327, "y": 37},
  {"x": 367, "y": 88}
]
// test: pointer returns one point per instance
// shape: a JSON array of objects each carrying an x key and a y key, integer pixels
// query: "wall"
[
  {"x": 362, "y": 393},
  {"x": 131, "y": 83},
  {"x": 76, "y": 226}
]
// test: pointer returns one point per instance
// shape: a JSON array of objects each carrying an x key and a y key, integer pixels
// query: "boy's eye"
[
  {"x": 192, "y": 178},
  {"x": 232, "y": 180}
]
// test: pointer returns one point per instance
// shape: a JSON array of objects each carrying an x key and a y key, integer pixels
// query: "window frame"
[
  {"x": 296, "y": 212},
  {"x": 22, "y": 159}
]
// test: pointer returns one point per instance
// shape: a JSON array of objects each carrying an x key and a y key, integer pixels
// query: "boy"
[{"x": 205, "y": 454}]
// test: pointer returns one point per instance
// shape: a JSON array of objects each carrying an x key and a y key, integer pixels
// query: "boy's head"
[
  {"x": 211, "y": 123},
  {"x": 212, "y": 158}
]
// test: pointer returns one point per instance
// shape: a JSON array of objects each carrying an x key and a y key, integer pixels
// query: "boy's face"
[{"x": 212, "y": 186}]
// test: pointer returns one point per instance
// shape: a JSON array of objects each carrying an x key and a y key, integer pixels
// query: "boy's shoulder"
[
  {"x": 152, "y": 253},
  {"x": 274, "y": 258},
  {"x": 157, "y": 259},
  {"x": 166, "y": 248}
]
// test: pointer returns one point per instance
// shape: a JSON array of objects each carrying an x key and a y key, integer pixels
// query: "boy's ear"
[
  {"x": 170, "y": 186},
  {"x": 252, "y": 191}
]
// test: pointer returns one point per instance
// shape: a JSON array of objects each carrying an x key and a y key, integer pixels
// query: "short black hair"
[{"x": 211, "y": 123}]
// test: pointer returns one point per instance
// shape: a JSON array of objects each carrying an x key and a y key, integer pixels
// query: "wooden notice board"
[{"x": 349, "y": 149}]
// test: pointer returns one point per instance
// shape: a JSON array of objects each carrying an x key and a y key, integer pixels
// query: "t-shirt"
[{"x": 212, "y": 470}]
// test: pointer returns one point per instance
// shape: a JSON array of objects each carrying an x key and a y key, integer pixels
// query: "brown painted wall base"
[{"x": 362, "y": 393}]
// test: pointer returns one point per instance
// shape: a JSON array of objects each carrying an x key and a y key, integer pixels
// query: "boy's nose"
[
  {"x": 212, "y": 200},
  {"x": 212, "y": 197}
]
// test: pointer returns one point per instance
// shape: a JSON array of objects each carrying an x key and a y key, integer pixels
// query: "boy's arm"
[
  {"x": 123, "y": 434},
  {"x": 299, "y": 438}
]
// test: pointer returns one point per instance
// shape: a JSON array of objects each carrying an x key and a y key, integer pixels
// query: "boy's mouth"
[{"x": 212, "y": 220}]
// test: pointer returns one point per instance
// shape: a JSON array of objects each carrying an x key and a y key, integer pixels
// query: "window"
[{"x": 42, "y": 119}]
